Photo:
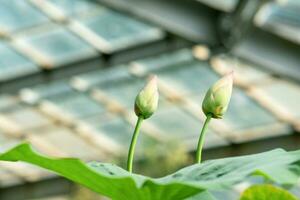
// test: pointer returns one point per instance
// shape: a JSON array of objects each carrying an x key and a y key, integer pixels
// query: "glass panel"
[
  {"x": 195, "y": 77},
  {"x": 179, "y": 125},
  {"x": 23, "y": 119},
  {"x": 28, "y": 173},
  {"x": 118, "y": 130},
  {"x": 112, "y": 74},
  {"x": 60, "y": 45},
  {"x": 244, "y": 112},
  {"x": 123, "y": 91},
  {"x": 162, "y": 61},
  {"x": 67, "y": 142},
  {"x": 78, "y": 105},
  {"x": 34, "y": 94},
  {"x": 286, "y": 94},
  {"x": 120, "y": 31},
  {"x": 76, "y": 7},
  {"x": 18, "y": 14},
  {"x": 245, "y": 71},
  {"x": 281, "y": 18},
  {"x": 14, "y": 65},
  {"x": 175, "y": 123}
]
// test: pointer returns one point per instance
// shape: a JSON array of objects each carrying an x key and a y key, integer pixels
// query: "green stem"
[
  {"x": 202, "y": 138},
  {"x": 133, "y": 143}
]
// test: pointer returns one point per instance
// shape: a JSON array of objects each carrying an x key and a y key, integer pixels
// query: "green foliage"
[
  {"x": 166, "y": 158},
  {"x": 116, "y": 183},
  {"x": 267, "y": 192}
]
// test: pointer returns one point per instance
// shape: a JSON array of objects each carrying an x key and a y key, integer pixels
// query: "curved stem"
[
  {"x": 202, "y": 138},
  {"x": 133, "y": 143}
]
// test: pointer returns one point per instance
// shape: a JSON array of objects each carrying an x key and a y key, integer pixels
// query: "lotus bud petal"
[
  {"x": 146, "y": 101},
  {"x": 217, "y": 98}
]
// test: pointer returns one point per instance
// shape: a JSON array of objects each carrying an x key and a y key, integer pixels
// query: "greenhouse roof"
[{"x": 70, "y": 71}]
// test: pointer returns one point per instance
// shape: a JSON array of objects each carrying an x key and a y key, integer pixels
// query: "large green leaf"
[
  {"x": 267, "y": 192},
  {"x": 116, "y": 183}
]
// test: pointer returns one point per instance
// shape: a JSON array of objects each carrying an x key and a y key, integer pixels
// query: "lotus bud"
[
  {"x": 146, "y": 101},
  {"x": 217, "y": 98}
]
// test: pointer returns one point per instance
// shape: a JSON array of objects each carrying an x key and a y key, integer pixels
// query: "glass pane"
[
  {"x": 33, "y": 94},
  {"x": 59, "y": 45},
  {"x": 19, "y": 14},
  {"x": 243, "y": 112},
  {"x": 67, "y": 142},
  {"x": 118, "y": 130},
  {"x": 245, "y": 72},
  {"x": 21, "y": 119},
  {"x": 76, "y": 7},
  {"x": 14, "y": 65},
  {"x": 112, "y": 74},
  {"x": 76, "y": 104},
  {"x": 179, "y": 125},
  {"x": 30, "y": 173},
  {"x": 285, "y": 94},
  {"x": 190, "y": 78},
  {"x": 175, "y": 123},
  {"x": 158, "y": 62},
  {"x": 119, "y": 31},
  {"x": 123, "y": 91},
  {"x": 281, "y": 18}
]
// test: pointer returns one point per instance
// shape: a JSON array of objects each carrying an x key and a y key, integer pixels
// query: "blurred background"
[{"x": 70, "y": 71}]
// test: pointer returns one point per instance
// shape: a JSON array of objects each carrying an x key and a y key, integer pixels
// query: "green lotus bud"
[
  {"x": 147, "y": 100},
  {"x": 217, "y": 98}
]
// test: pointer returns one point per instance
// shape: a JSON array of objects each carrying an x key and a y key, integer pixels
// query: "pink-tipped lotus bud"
[
  {"x": 217, "y": 98},
  {"x": 146, "y": 101}
]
